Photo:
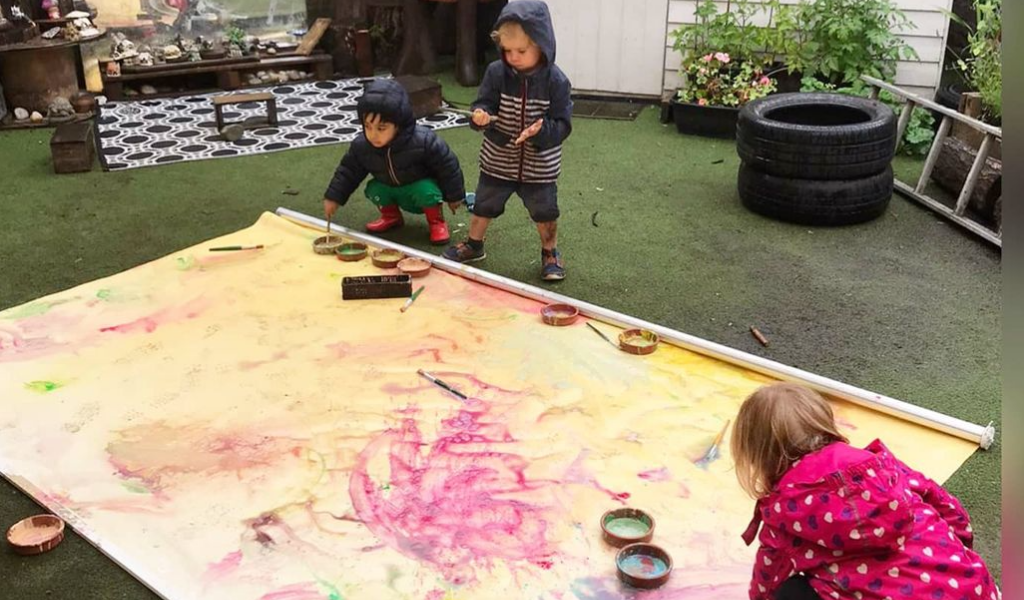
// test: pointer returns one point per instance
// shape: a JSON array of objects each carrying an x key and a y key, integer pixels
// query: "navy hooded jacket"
[
  {"x": 518, "y": 100},
  {"x": 416, "y": 152}
]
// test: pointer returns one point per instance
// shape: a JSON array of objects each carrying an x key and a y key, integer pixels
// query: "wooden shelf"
[{"x": 230, "y": 73}]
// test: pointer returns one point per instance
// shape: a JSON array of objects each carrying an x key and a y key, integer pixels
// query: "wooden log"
[
  {"x": 971, "y": 105},
  {"x": 951, "y": 170}
]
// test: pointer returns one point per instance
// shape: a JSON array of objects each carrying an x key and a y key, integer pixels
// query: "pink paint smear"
[
  {"x": 452, "y": 502},
  {"x": 661, "y": 474},
  {"x": 148, "y": 324},
  {"x": 298, "y": 591}
]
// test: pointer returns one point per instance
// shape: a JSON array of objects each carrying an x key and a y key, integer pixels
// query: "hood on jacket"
[
  {"x": 389, "y": 99},
  {"x": 535, "y": 19},
  {"x": 842, "y": 498}
]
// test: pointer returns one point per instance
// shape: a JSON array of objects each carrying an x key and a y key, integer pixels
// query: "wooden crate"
[{"x": 73, "y": 148}]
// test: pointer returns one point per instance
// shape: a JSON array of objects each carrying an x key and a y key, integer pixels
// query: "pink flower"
[
  {"x": 722, "y": 57},
  {"x": 702, "y": 102},
  {"x": 703, "y": 71},
  {"x": 765, "y": 81},
  {"x": 708, "y": 57}
]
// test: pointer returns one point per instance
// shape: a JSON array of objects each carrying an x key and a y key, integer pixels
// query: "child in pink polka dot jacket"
[{"x": 840, "y": 522}]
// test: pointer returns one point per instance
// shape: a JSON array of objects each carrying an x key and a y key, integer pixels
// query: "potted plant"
[
  {"x": 787, "y": 45},
  {"x": 982, "y": 67},
  {"x": 850, "y": 38},
  {"x": 732, "y": 32},
  {"x": 715, "y": 88}
]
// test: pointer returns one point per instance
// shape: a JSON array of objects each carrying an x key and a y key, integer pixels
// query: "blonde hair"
[
  {"x": 510, "y": 29},
  {"x": 776, "y": 426}
]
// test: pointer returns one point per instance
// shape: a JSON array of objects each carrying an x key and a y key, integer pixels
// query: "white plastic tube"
[{"x": 984, "y": 436}]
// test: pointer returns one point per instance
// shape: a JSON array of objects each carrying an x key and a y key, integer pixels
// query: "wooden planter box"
[
  {"x": 705, "y": 121},
  {"x": 73, "y": 148}
]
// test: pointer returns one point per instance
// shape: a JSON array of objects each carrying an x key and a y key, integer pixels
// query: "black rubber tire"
[
  {"x": 813, "y": 202},
  {"x": 816, "y": 136}
]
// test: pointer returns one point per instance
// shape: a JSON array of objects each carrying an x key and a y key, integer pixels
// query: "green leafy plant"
[
  {"x": 917, "y": 139},
  {"x": 787, "y": 38},
  {"x": 857, "y": 37},
  {"x": 235, "y": 36},
  {"x": 732, "y": 31},
  {"x": 983, "y": 68},
  {"x": 712, "y": 80}
]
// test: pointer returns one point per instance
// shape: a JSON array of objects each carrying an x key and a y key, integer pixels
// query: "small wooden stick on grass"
[{"x": 759, "y": 336}]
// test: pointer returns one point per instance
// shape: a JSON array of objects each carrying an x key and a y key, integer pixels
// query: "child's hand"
[
  {"x": 454, "y": 206},
  {"x": 481, "y": 118},
  {"x": 530, "y": 131},
  {"x": 330, "y": 207}
]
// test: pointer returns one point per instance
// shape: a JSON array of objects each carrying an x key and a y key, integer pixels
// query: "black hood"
[
  {"x": 389, "y": 99},
  {"x": 535, "y": 18}
]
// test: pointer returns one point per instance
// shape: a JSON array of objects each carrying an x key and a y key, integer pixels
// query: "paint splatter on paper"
[{"x": 274, "y": 442}]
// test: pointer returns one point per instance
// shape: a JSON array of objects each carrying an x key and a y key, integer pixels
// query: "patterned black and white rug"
[{"x": 143, "y": 133}]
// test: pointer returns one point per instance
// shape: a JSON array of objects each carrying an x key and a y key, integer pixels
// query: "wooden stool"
[{"x": 221, "y": 101}]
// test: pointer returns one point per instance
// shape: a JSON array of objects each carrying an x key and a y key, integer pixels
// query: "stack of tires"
[{"x": 817, "y": 158}]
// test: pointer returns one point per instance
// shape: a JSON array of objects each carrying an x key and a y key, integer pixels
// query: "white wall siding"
[
  {"x": 927, "y": 37},
  {"x": 611, "y": 46}
]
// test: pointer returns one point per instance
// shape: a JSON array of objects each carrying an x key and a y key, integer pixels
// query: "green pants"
[{"x": 413, "y": 197}]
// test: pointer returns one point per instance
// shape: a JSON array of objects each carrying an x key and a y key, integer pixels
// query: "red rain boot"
[
  {"x": 390, "y": 218},
  {"x": 438, "y": 228}
]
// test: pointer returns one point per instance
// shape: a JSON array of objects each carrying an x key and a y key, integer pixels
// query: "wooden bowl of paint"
[
  {"x": 36, "y": 535},
  {"x": 643, "y": 565},
  {"x": 625, "y": 526},
  {"x": 327, "y": 244},
  {"x": 351, "y": 252},
  {"x": 638, "y": 341},
  {"x": 386, "y": 259},
  {"x": 559, "y": 314},
  {"x": 415, "y": 267}
]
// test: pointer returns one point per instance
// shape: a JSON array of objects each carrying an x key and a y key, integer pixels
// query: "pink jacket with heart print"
[{"x": 861, "y": 525}]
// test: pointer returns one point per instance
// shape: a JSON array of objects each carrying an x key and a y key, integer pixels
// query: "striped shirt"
[{"x": 525, "y": 162}]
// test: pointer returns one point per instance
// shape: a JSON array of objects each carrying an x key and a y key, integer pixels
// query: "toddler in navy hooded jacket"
[
  {"x": 525, "y": 111},
  {"x": 413, "y": 169}
]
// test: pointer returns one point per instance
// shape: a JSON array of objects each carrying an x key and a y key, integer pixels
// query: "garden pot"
[
  {"x": 705, "y": 121},
  {"x": 785, "y": 82}
]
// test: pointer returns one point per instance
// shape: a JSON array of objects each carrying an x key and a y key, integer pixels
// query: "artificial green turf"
[{"x": 907, "y": 305}]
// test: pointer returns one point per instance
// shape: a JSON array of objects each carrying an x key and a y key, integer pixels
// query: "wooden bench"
[{"x": 220, "y": 102}]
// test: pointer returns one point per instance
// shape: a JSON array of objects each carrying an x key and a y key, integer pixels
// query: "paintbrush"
[
  {"x": 235, "y": 248},
  {"x": 442, "y": 385},
  {"x": 412, "y": 298},
  {"x": 603, "y": 336},
  {"x": 712, "y": 453}
]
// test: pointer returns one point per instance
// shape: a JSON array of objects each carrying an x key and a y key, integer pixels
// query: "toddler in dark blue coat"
[{"x": 413, "y": 169}]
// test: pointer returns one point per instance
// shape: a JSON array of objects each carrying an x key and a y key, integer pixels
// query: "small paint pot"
[
  {"x": 327, "y": 244},
  {"x": 644, "y": 566},
  {"x": 414, "y": 267},
  {"x": 386, "y": 259},
  {"x": 559, "y": 314},
  {"x": 351, "y": 252},
  {"x": 638, "y": 341},
  {"x": 36, "y": 535},
  {"x": 625, "y": 526}
]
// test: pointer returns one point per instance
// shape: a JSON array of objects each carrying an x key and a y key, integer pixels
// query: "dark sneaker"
[
  {"x": 552, "y": 267},
  {"x": 463, "y": 253}
]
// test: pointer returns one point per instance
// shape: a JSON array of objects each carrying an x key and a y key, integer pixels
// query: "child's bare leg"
[
  {"x": 478, "y": 228},
  {"x": 548, "y": 234}
]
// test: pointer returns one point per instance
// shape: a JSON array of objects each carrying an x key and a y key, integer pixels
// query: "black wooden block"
[{"x": 376, "y": 286}]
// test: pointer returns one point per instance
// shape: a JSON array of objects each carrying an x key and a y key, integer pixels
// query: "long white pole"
[{"x": 984, "y": 436}]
